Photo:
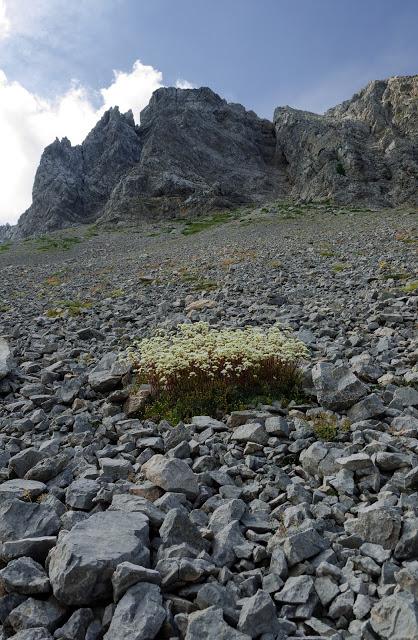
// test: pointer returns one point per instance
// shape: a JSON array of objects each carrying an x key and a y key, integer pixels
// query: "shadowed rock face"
[
  {"x": 198, "y": 153},
  {"x": 73, "y": 183},
  {"x": 194, "y": 152}
]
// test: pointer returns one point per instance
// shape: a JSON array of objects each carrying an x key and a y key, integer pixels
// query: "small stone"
[
  {"x": 171, "y": 475},
  {"x": 210, "y": 625},
  {"x": 250, "y": 433},
  {"x": 303, "y": 545},
  {"x": 24, "y": 576}
]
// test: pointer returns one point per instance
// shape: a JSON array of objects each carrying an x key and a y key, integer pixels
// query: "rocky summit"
[
  {"x": 194, "y": 152},
  {"x": 280, "y": 521}
]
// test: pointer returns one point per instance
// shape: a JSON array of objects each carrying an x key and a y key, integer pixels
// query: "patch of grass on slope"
[{"x": 196, "y": 226}]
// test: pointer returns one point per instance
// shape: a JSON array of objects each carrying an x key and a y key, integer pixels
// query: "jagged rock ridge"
[
  {"x": 73, "y": 183},
  {"x": 194, "y": 152}
]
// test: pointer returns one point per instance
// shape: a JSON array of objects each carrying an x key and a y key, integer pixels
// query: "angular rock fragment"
[
  {"x": 82, "y": 564},
  {"x": 337, "y": 388},
  {"x": 171, "y": 475},
  {"x": 139, "y": 615}
]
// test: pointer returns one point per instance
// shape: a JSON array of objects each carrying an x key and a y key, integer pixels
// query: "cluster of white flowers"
[{"x": 200, "y": 351}]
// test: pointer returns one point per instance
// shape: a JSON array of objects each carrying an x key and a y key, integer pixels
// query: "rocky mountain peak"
[{"x": 194, "y": 152}]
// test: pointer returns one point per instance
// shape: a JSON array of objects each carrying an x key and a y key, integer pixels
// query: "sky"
[{"x": 64, "y": 62}]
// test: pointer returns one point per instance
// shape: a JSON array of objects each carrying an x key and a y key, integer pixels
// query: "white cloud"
[
  {"x": 184, "y": 84},
  {"x": 4, "y": 21},
  {"x": 132, "y": 90},
  {"x": 28, "y": 123}
]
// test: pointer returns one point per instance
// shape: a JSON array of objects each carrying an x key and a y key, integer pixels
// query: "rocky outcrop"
[
  {"x": 362, "y": 151},
  {"x": 198, "y": 153},
  {"x": 194, "y": 152},
  {"x": 73, "y": 183}
]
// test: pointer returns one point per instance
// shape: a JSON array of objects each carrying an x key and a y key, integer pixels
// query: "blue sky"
[{"x": 60, "y": 57}]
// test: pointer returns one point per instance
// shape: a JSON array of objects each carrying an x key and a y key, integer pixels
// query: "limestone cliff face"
[
  {"x": 362, "y": 151},
  {"x": 194, "y": 152}
]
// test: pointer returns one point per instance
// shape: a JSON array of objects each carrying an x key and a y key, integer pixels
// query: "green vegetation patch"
[
  {"x": 46, "y": 244},
  {"x": 200, "y": 370},
  {"x": 73, "y": 307},
  {"x": 411, "y": 287},
  {"x": 6, "y": 246},
  {"x": 196, "y": 226},
  {"x": 327, "y": 427}
]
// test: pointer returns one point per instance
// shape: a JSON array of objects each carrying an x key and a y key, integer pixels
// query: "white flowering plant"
[{"x": 199, "y": 369}]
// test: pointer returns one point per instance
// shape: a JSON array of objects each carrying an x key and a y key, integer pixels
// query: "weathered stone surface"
[
  {"x": 258, "y": 615},
  {"x": 303, "y": 545},
  {"x": 5, "y": 358},
  {"x": 193, "y": 151},
  {"x": 28, "y": 489},
  {"x": 26, "y": 520},
  {"x": 24, "y": 576},
  {"x": 337, "y": 387},
  {"x": 132, "y": 503},
  {"x": 395, "y": 617},
  {"x": 171, "y": 475},
  {"x": 377, "y": 524},
  {"x": 76, "y": 626},
  {"x": 358, "y": 151},
  {"x": 41, "y": 633},
  {"x": 127, "y": 574},
  {"x": 36, "y": 548},
  {"x": 250, "y": 433},
  {"x": 138, "y": 615},
  {"x": 72, "y": 183},
  {"x": 83, "y": 562},
  {"x": 209, "y": 624},
  {"x": 37, "y": 613}
]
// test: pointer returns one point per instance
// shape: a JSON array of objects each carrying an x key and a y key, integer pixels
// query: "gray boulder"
[
  {"x": 6, "y": 362},
  {"x": 20, "y": 519},
  {"x": 41, "y": 633},
  {"x": 139, "y": 615},
  {"x": 127, "y": 574},
  {"x": 82, "y": 564},
  {"x": 171, "y": 475},
  {"x": 258, "y": 615},
  {"x": 17, "y": 488},
  {"x": 209, "y": 624},
  {"x": 76, "y": 626},
  {"x": 37, "y": 613},
  {"x": 250, "y": 433},
  {"x": 337, "y": 388},
  {"x": 395, "y": 617},
  {"x": 377, "y": 524},
  {"x": 25, "y": 576},
  {"x": 303, "y": 545}
]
